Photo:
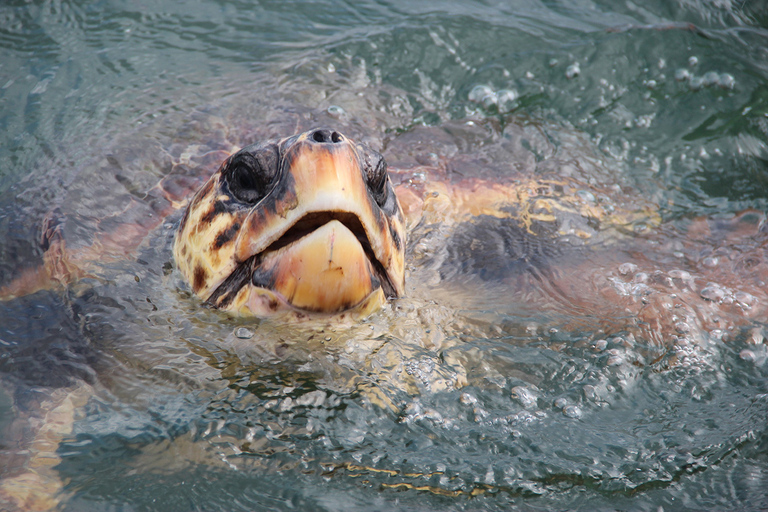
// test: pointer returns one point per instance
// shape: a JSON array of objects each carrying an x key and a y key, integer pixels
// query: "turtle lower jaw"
[
  {"x": 324, "y": 263},
  {"x": 262, "y": 302},
  {"x": 325, "y": 270}
]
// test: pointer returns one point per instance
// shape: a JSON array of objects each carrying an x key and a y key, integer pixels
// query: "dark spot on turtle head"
[
  {"x": 200, "y": 277},
  {"x": 176, "y": 187},
  {"x": 226, "y": 236},
  {"x": 227, "y": 291},
  {"x": 216, "y": 209},
  {"x": 159, "y": 204},
  {"x": 396, "y": 238}
]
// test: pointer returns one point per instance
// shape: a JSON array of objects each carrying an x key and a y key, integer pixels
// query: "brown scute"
[
  {"x": 226, "y": 236},
  {"x": 176, "y": 187},
  {"x": 159, "y": 204},
  {"x": 201, "y": 275}
]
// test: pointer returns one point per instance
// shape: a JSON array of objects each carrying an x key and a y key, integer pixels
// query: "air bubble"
[
  {"x": 627, "y": 268},
  {"x": 695, "y": 83},
  {"x": 681, "y": 75},
  {"x": 484, "y": 95},
  {"x": 679, "y": 274},
  {"x": 573, "y": 70},
  {"x": 336, "y": 111},
  {"x": 243, "y": 333},
  {"x": 713, "y": 293},
  {"x": 726, "y": 81},
  {"x": 561, "y": 403},
  {"x": 587, "y": 196},
  {"x": 693, "y": 60},
  {"x": 710, "y": 78},
  {"x": 756, "y": 337},
  {"x": 710, "y": 262},
  {"x": 524, "y": 395},
  {"x": 572, "y": 411},
  {"x": 745, "y": 299},
  {"x": 747, "y": 355},
  {"x": 506, "y": 99}
]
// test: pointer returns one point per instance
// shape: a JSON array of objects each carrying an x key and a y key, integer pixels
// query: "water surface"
[{"x": 486, "y": 388}]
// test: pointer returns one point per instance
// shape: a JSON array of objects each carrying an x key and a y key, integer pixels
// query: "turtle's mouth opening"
[
  {"x": 313, "y": 221},
  {"x": 324, "y": 262}
]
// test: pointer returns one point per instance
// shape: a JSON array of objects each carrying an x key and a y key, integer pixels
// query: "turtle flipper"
[
  {"x": 56, "y": 268},
  {"x": 38, "y": 486}
]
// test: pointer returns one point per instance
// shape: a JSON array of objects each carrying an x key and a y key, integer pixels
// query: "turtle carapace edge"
[{"x": 308, "y": 223}]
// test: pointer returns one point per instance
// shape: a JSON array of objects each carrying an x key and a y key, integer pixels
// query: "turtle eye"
[
  {"x": 375, "y": 172},
  {"x": 249, "y": 174}
]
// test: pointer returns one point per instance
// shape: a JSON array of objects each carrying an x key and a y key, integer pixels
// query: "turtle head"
[{"x": 310, "y": 222}]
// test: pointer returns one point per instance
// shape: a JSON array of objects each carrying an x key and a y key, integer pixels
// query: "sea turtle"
[{"x": 473, "y": 234}]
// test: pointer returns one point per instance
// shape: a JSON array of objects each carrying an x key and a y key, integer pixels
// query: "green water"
[{"x": 473, "y": 403}]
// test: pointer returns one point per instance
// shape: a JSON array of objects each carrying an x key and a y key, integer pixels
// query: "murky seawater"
[{"x": 616, "y": 361}]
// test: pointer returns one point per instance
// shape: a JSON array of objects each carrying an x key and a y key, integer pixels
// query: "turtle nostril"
[{"x": 326, "y": 136}]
